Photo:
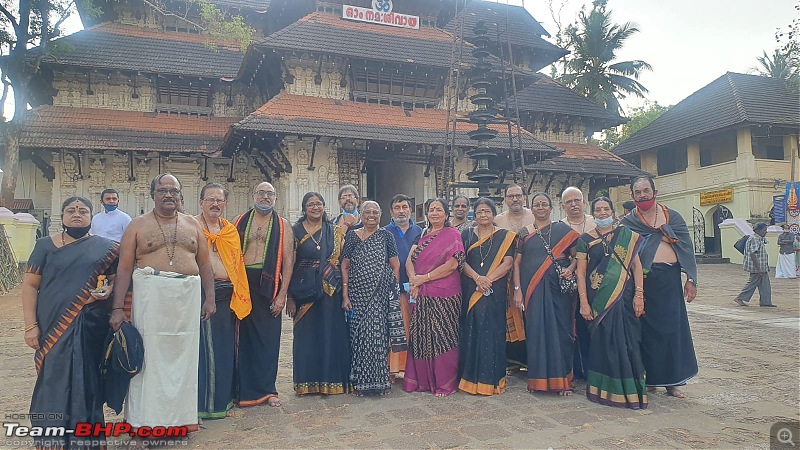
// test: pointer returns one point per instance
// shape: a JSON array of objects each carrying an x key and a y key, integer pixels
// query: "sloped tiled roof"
[
  {"x": 523, "y": 29},
  {"x": 730, "y": 100},
  {"x": 587, "y": 159},
  {"x": 125, "y": 47},
  {"x": 328, "y": 33},
  {"x": 255, "y": 5},
  {"x": 59, "y": 127},
  {"x": 314, "y": 116},
  {"x": 547, "y": 95}
]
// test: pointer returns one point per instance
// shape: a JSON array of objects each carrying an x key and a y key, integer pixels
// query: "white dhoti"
[
  {"x": 786, "y": 266},
  {"x": 166, "y": 312}
]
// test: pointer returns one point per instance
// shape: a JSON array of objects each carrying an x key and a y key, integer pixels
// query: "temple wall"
[
  {"x": 305, "y": 69},
  {"x": 114, "y": 91}
]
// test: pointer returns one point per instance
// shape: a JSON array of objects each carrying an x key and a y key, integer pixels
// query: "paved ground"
[{"x": 749, "y": 376}]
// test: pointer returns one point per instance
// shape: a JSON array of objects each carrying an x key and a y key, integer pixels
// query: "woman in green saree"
[{"x": 610, "y": 289}]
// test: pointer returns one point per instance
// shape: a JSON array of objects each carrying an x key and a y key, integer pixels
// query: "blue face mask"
[
  {"x": 109, "y": 208},
  {"x": 604, "y": 223}
]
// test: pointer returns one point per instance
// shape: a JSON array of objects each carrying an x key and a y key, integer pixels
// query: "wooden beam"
[
  {"x": 550, "y": 181},
  {"x": 313, "y": 154}
]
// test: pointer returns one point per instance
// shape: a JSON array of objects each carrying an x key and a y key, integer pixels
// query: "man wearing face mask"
[
  {"x": 667, "y": 251},
  {"x": 111, "y": 222},
  {"x": 348, "y": 201},
  {"x": 267, "y": 245}
]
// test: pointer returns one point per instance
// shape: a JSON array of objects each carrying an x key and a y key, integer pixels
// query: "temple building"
[
  {"x": 330, "y": 93},
  {"x": 724, "y": 152}
]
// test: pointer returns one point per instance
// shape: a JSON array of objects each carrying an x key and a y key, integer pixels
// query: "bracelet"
[
  {"x": 428, "y": 276},
  {"x": 114, "y": 309},
  {"x": 344, "y": 284},
  {"x": 639, "y": 289},
  {"x": 31, "y": 326}
]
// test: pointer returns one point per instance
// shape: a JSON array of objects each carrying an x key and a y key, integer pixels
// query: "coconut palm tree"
[
  {"x": 591, "y": 69},
  {"x": 784, "y": 65}
]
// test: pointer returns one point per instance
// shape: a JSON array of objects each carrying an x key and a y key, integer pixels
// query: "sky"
[{"x": 689, "y": 43}]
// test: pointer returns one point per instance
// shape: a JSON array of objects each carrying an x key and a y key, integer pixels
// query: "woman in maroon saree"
[{"x": 432, "y": 269}]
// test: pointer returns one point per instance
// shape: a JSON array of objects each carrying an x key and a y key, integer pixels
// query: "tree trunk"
[{"x": 11, "y": 166}]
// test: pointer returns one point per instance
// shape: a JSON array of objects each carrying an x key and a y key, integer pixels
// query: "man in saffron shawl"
[
  {"x": 268, "y": 258},
  {"x": 163, "y": 253},
  {"x": 232, "y": 295},
  {"x": 666, "y": 252}
]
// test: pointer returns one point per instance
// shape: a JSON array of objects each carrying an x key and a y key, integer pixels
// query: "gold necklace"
[
  {"x": 583, "y": 224},
  {"x": 480, "y": 247},
  {"x": 311, "y": 235},
  {"x": 171, "y": 255}
]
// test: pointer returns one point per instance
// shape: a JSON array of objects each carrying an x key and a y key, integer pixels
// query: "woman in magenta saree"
[{"x": 433, "y": 272}]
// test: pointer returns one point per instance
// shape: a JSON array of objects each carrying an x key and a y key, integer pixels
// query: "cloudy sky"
[{"x": 689, "y": 43}]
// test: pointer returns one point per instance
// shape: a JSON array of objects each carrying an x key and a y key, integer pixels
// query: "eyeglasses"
[
  {"x": 514, "y": 196},
  {"x": 540, "y": 205},
  {"x": 214, "y": 200},
  {"x": 483, "y": 212},
  {"x": 347, "y": 196},
  {"x": 574, "y": 201},
  {"x": 270, "y": 194},
  {"x": 173, "y": 192},
  {"x": 314, "y": 205}
]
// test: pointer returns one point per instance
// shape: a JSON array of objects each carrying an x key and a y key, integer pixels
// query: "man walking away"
[{"x": 757, "y": 265}]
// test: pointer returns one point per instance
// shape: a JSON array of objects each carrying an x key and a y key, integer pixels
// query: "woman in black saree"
[
  {"x": 484, "y": 276},
  {"x": 321, "y": 342},
  {"x": 610, "y": 288},
  {"x": 549, "y": 313},
  {"x": 66, "y": 322}
]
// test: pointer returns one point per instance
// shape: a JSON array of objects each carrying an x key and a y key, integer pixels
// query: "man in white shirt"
[{"x": 111, "y": 222}]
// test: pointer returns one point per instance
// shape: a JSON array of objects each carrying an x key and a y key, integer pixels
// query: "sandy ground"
[{"x": 749, "y": 376}]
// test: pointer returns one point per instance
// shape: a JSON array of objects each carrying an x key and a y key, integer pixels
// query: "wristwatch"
[{"x": 516, "y": 288}]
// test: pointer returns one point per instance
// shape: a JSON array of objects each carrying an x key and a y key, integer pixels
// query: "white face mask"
[{"x": 604, "y": 223}]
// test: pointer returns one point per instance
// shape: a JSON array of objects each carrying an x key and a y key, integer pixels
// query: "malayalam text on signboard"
[
  {"x": 360, "y": 14},
  {"x": 714, "y": 197}
]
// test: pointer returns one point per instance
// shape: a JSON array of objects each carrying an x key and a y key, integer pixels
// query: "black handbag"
[{"x": 567, "y": 286}]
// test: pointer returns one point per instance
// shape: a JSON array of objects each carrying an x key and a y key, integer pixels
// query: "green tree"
[
  {"x": 640, "y": 117},
  {"x": 783, "y": 64},
  {"x": 27, "y": 30},
  {"x": 591, "y": 69}
]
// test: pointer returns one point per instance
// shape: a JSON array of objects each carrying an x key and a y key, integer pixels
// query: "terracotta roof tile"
[
  {"x": 314, "y": 116},
  {"x": 125, "y": 47},
  {"x": 731, "y": 99},
  {"x": 587, "y": 159},
  {"x": 104, "y": 129},
  {"x": 329, "y": 33},
  {"x": 547, "y": 95}
]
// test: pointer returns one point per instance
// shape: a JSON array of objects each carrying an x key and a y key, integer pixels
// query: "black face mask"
[{"x": 76, "y": 232}]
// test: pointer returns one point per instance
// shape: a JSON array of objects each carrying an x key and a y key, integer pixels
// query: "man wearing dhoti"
[
  {"x": 666, "y": 253},
  {"x": 232, "y": 296},
  {"x": 163, "y": 253},
  {"x": 268, "y": 248},
  {"x": 786, "y": 267}
]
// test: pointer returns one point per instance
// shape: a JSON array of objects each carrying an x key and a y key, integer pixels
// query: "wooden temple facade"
[{"x": 318, "y": 101}]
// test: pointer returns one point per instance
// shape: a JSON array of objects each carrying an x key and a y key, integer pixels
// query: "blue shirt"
[{"x": 404, "y": 242}]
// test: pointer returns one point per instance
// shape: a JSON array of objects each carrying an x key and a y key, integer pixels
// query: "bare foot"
[
  {"x": 440, "y": 394},
  {"x": 673, "y": 391},
  {"x": 503, "y": 391},
  {"x": 565, "y": 393},
  {"x": 274, "y": 402}
]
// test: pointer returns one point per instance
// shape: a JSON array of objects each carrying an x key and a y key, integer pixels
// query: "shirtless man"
[
  {"x": 573, "y": 204},
  {"x": 232, "y": 296},
  {"x": 268, "y": 247},
  {"x": 667, "y": 251},
  {"x": 517, "y": 216},
  {"x": 161, "y": 255}
]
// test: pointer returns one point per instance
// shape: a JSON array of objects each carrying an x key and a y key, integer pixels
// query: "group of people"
[{"x": 446, "y": 307}]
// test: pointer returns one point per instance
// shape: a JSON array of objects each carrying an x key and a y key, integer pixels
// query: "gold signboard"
[{"x": 714, "y": 197}]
